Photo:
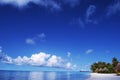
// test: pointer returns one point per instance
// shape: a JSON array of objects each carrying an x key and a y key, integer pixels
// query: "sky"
[{"x": 58, "y": 35}]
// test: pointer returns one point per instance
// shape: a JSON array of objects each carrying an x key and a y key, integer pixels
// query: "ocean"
[{"x": 47, "y": 75}]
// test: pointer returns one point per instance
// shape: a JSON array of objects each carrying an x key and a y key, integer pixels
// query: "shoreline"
[{"x": 102, "y": 76}]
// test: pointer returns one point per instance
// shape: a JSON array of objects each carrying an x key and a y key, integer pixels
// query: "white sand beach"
[{"x": 97, "y": 76}]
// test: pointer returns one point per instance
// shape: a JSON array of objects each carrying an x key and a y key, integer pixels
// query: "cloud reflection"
[
  {"x": 51, "y": 76},
  {"x": 36, "y": 76}
]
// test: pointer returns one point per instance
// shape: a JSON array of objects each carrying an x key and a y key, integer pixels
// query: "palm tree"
[
  {"x": 117, "y": 69},
  {"x": 94, "y": 66},
  {"x": 103, "y": 67},
  {"x": 114, "y": 62}
]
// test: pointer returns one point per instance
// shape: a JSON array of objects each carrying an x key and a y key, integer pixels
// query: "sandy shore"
[{"x": 96, "y": 76}]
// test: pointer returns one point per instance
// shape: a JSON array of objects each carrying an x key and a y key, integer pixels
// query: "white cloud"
[
  {"x": 15, "y": 2},
  {"x": 55, "y": 61},
  {"x": 89, "y": 51},
  {"x": 21, "y": 3},
  {"x": 114, "y": 8},
  {"x": 68, "y": 54},
  {"x": 88, "y": 17},
  {"x": 38, "y": 59},
  {"x": 35, "y": 60},
  {"x": 19, "y": 60},
  {"x": 40, "y": 37},
  {"x": 90, "y": 11},
  {"x": 52, "y": 4},
  {"x": 0, "y": 49},
  {"x": 68, "y": 65},
  {"x": 5, "y": 59},
  {"x": 72, "y": 3},
  {"x": 30, "y": 41}
]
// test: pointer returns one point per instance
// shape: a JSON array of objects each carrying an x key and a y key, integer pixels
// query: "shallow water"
[{"x": 25, "y": 75}]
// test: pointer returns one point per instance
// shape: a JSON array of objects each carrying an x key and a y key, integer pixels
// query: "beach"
[{"x": 98, "y": 76}]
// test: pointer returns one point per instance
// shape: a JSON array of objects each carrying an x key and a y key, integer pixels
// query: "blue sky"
[{"x": 58, "y": 34}]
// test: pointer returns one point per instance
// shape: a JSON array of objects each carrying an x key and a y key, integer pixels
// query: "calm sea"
[{"x": 26, "y": 75}]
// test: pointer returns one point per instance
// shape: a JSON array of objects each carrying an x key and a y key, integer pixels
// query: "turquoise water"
[{"x": 26, "y": 75}]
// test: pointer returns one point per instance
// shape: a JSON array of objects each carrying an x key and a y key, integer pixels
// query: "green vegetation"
[
  {"x": 103, "y": 67},
  {"x": 117, "y": 70}
]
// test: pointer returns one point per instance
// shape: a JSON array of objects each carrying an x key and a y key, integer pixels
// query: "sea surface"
[{"x": 36, "y": 75}]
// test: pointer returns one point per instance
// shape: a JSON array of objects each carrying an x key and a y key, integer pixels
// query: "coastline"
[{"x": 102, "y": 76}]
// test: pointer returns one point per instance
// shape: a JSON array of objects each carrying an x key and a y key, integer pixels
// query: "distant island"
[
  {"x": 84, "y": 71},
  {"x": 103, "y": 67}
]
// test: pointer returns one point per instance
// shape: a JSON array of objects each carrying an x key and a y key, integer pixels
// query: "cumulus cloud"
[
  {"x": 5, "y": 59},
  {"x": 38, "y": 59},
  {"x": 114, "y": 8},
  {"x": 55, "y": 61},
  {"x": 21, "y": 60},
  {"x": 89, "y": 51},
  {"x": 90, "y": 11}
]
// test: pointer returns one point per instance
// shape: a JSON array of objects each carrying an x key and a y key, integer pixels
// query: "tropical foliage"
[
  {"x": 103, "y": 67},
  {"x": 118, "y": 69}
]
